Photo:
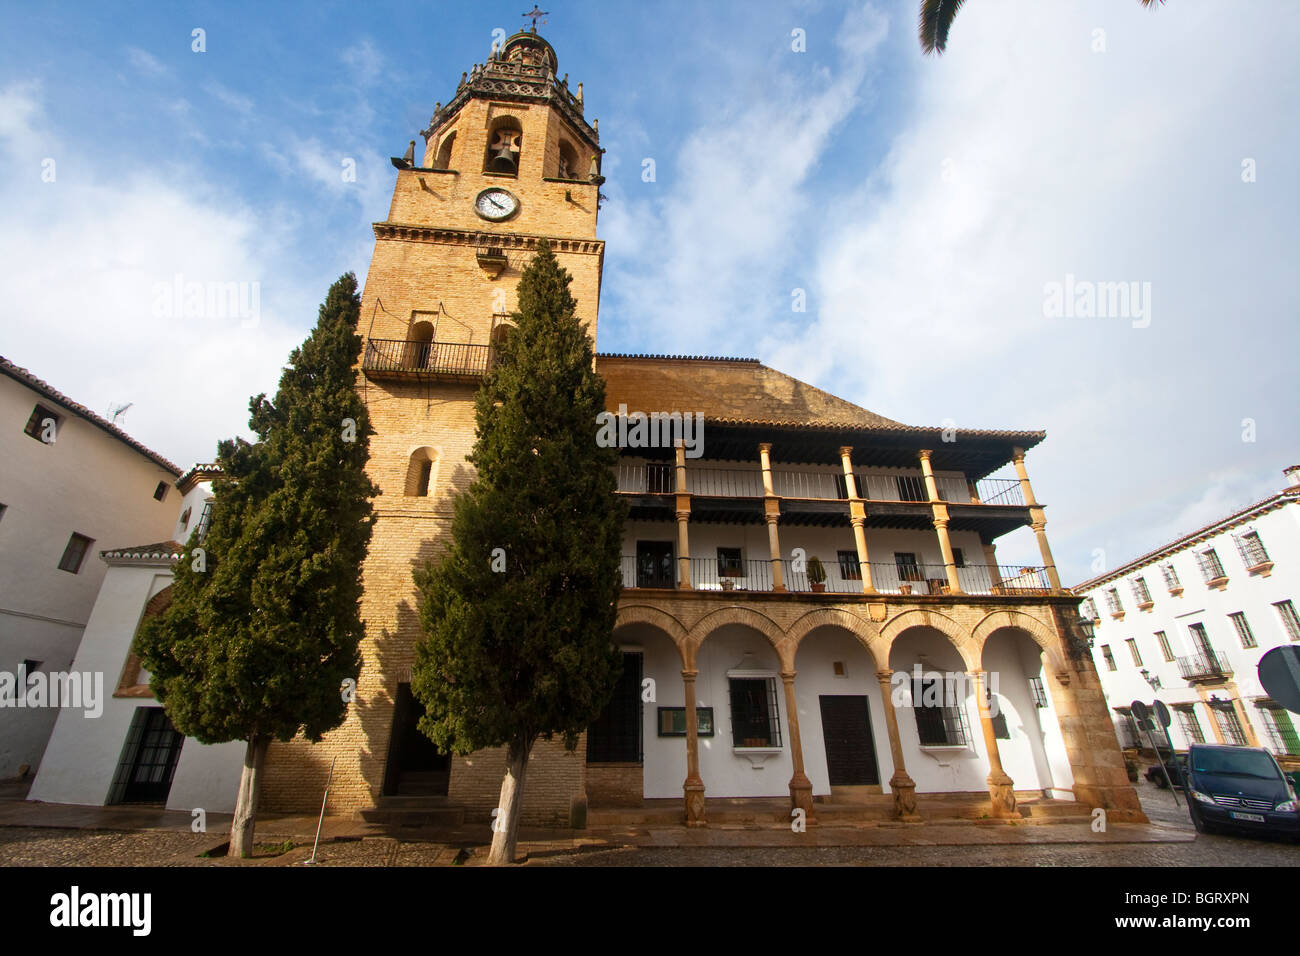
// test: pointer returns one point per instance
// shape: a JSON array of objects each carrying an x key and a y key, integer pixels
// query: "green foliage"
[
  {"x": 527, "y": 652},
  {"x": 261, "y": 639},
  {"x": 816, "y": 573}
]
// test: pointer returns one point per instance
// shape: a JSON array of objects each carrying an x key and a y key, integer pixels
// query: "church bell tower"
[{"x": 508, "y": 161}]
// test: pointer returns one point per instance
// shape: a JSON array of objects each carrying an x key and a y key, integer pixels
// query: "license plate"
[{"x": 1252, "y": 817}]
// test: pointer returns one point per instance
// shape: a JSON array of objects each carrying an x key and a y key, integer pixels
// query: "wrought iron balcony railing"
[
  {"x": 659, "y": 478},
  {"x": 1201, "y": 666},
  {"x": 426, "y": 359}
]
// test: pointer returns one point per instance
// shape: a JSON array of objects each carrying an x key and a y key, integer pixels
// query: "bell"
[{"x": 503, "y": 161}]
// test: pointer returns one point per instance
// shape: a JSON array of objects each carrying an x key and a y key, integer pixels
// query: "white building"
[
  {"x": 71, "y": 483},
  {"x": 130, "y": 753},
  {"x": 1188, "y": 622}
]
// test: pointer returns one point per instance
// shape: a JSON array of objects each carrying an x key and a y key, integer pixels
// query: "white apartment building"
[
  {"x": 1188, "y": 623},
  {"x": 130, "y": 752},
  {"x": 71, "y": 484}
]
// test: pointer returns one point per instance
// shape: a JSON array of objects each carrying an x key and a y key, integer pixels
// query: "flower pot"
[
  {"x": 905, "y": 589},
  {"x": 818, "y": 587}
]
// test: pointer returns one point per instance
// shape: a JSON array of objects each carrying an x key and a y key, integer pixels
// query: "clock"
[{"x": 496, "y": 204}]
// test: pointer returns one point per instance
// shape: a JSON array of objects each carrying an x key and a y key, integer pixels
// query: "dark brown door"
[
  {"x": 654, "y": 564},
  {"x": 846, "y": 732}
]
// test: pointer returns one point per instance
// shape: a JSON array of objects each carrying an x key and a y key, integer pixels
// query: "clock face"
[{"x": 496, "y": 204}]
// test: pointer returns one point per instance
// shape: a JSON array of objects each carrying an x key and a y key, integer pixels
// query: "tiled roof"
[
  {"x": 197, "y": 473},
  {"x": 159, "y": 551},
  {"x": 20, "y": 374},
  {"x": 743, "y": 391},
  {"x": 1206, "y": 531}
]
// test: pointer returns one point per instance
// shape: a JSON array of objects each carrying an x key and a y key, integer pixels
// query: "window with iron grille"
[
  {"x": 42, "y": 424},
  {"x": 1126, "y": 729},
  {"x": 1229, "y": 724},
  {"x": 1211, "y": 567},
  {"x": 1280, "y": 729},
  {"x": 205, "y": 519},
  {"x": 938, "y": 722},
  {"x": 1190, "y": 726},
  {"x": 1290, "y": 622},
  {"x": 1108, "y": 656},
  {"x": 1112, "y": 601},
  {"x": 755, "y": 718},
  {"x": 1037, "y": 691},
  {"x": 908, "y": 569},
  {"x": 1090, "y": 609},
  {"x": 1163, "y": 640},
  {"x": 75, "y": 553},
  {"x": 1171, "y": 576},
  {"x": 1133, "y": 649},
  {"x": 729, "y": 565},
  {"x": 1243, "y": 629},
  {"x": 1140, "y": 592},
  {"x": 850, "y": 569},
  {"x": 1251, "y": 549}
]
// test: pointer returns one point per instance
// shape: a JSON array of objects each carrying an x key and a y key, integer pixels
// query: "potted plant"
[
  {"x": 905, "y": 589},
  {"x": 816, "y": 574}
]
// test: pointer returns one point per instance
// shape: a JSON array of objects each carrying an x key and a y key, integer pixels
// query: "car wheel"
[{"x": 1199, "y": 822}]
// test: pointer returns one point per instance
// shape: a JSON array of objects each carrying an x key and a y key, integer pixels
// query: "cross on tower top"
[{"x": 535, "y": 13}]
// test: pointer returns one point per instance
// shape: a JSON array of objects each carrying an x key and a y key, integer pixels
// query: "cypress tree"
[
  {"x": 264, "y": 624},
  {"x": 518, "y": 616}
]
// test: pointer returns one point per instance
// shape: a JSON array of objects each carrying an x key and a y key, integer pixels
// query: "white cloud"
[
  {"x": 364, "y": 60},
  {"x": 145, "y": 62},
  {"x": 236, "y": 101},
  {"x": 86, "y": 258}
]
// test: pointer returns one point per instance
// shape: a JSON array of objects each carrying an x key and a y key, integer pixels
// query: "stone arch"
[
  {"x": 918, "y": 617},
  {"x": 645, "y": 614},
  {"x": 1039, "y": 632},
  {"x": 734, "y": 615},
  {"x": 422, "y": 472},
  {"x": 567, "y": 161},
  {"x": 867, "y": 633},
  {"x": 505, "y": 142},
  {"x": 444, "y": 151}
]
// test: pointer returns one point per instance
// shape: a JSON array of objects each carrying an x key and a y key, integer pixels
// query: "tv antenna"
[{"x": 117, "y": 411}]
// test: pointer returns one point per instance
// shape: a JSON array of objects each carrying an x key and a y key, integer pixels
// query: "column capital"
[
  {"x": 884, "y": 675},
  {"x": 689, "y": 674},
  {"x": 683, "y": 515},
  {"x": 764, "y": 447},
  {"x": 941, "y": 522},
  {"x": 1018, "y": 455},
  {"x": 924, "y": 454},
  {"x": 846, "y": 450},
  {"x": 857, "y": 521},
  {"x": 771, "y": 518},
  {"x": 788, "y": 676}
]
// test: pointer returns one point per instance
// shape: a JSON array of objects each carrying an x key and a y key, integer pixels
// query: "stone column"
[
  {"x": 1037, "y": 519},
  {"x": 1002, "y": 792},
  {"x": 771, "y": 514},
  {"x": 800, "y": 785},
  {"x": 903, "y": 786},
  {"x": 683, "y": 520},
  {"x": 857, "y": 518},
  {"x": 693, "y": 787},
  {"x": 939, "y": 512}
]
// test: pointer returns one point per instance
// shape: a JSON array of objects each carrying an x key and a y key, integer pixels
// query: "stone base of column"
[
  {"x": 694, "y": 793},
  {"x": 801, "y": 797},
  {"x": 1002, "y": 797},
  {"x": 1120, "y": 803},
  {"x": 904, "y": 788}
]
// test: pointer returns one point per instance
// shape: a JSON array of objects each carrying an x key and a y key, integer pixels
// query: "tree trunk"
[
  {"x": 506, "y": 822},
  {"x": 250, "y": 788}
]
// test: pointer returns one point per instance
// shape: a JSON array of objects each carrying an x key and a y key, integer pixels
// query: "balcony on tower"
[{"x": 425, "y": 360}]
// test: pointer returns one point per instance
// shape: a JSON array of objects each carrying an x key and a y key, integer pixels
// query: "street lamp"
[{"x": 1153, "y": 680}]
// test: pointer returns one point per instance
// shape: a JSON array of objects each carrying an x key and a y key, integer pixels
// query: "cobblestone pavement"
[{"x": 49, "y": 846}]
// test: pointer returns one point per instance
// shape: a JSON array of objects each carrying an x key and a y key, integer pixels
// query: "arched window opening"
[
  {"x": 422, "y": 473},
  {"x": 505, "y": 141},
  {"x": 419, "y": 345},
  {"x": 444, "y": 151},
  {"x": 569, "y": 168}
]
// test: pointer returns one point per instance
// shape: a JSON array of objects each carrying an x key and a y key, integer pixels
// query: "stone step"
[{"x": 413, "y": 816}]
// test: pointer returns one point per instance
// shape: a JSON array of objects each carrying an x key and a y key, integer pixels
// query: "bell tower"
[{"x": 508, "y": 161}]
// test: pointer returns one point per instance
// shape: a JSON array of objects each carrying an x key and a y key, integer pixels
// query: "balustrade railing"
[
  {"x": 434, "y": 358},
  {"x": 1204, "y": 664}
]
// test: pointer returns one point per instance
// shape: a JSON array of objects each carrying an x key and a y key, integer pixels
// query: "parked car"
[
  {"x": 1175, "y": 766},
  {"x": 1240, "y": 788}
]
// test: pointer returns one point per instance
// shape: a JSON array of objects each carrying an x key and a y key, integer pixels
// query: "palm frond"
[{"x": 936, "y": 20}]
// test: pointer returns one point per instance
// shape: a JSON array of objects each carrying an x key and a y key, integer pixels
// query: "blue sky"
[{"x": 922, "y": 204}]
